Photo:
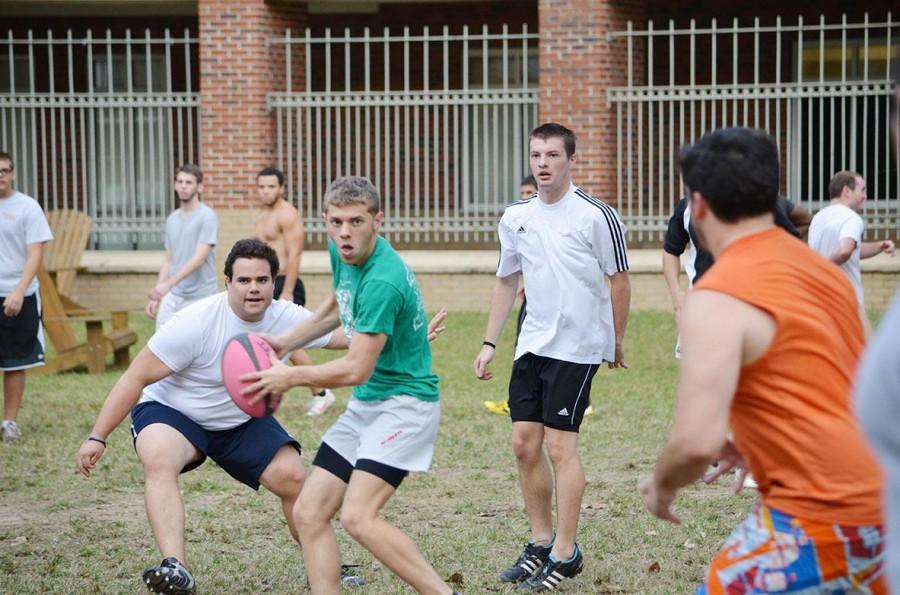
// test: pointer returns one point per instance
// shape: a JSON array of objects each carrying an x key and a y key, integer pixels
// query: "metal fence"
[
  {"x": 98, "y": 124},
  {"x": 437, "y": 120},
  {"x": 822, "y": 90}
]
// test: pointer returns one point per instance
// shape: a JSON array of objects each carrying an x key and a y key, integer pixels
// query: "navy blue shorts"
[{"x": 244, "y": 452}]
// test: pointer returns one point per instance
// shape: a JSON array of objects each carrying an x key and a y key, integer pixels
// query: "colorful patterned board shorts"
[{"x": 773, "y": 552}]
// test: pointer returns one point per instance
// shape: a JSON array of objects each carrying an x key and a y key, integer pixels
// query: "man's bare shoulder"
[{"x": 287, "y": 213}]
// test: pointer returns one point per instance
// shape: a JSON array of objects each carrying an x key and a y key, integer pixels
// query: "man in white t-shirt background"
[
  {"x": 189, "y": 270},
  {"x": 23, "y": 232},
  {"x": 836, "y": 231},
  {"x": 560, "y": 238}
]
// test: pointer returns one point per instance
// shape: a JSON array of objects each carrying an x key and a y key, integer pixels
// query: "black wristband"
[
  {"x": 95, "y": 439},
  {"x": 489, "y": 344}
]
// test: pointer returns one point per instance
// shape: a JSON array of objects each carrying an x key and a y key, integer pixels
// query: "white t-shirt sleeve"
[
  {"x": 509, "y": 263},
  {"x": 608, "y": 242},
  {"x": 209, "y": 230},
  {"x": 37, "y": 229},
  {"x": 852, "y": 228},
  {"x": 176, "y": 345}
]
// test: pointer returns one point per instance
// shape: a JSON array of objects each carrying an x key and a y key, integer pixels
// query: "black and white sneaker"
[
  {"x": 170, "y": 577},
  {"x": 553, "y": 572},
  {"x": 531, "y": 559}
]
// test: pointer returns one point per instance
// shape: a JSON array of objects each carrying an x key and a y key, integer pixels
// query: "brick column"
[
  {"x": 237, "y": 70},
  {"x": 577, "y": 66}
]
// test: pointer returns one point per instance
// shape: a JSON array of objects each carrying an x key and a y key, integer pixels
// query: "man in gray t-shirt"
[{"x": 189, "y": 271}]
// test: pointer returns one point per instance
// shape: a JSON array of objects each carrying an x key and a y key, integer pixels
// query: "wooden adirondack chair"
[{"x": 59, "y": 313}]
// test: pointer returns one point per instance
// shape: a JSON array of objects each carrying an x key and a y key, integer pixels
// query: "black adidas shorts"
[
  {"x": 299, "y": 290},
  {"x": 551, "y": 391}
]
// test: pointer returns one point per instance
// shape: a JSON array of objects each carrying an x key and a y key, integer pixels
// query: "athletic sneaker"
[
  {"x": 320, "y": 403},
  {"x": 553, "y": 572},
  {"x": 170, "y": 577},
  {"x": 533, "y": 556},
  {"x": 11, "y": 431},
  {"x": 348, "y": 579}
]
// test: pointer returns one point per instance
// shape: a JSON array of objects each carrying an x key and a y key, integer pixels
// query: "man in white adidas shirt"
[
  {"x": 563, "y": 242},
  {"x": 836, "y": 231}
]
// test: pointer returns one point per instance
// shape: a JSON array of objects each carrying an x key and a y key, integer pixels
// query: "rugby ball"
[{"x": 246, "y": 353}]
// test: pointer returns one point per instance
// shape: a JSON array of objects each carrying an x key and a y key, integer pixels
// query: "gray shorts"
[{"x": 399, "y": 432}]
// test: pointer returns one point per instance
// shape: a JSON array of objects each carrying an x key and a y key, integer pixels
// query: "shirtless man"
[{"x": 280, "y": 225}]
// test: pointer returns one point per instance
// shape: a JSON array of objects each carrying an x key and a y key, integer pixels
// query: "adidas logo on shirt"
[
  {"x": 563, "y": 411},
  {"x": 521, "y": 229}
]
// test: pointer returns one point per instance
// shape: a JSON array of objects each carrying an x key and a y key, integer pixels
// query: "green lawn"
[{"x": 62, "y": 533}]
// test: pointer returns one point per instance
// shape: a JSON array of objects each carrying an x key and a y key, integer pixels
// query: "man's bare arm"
[
  {"x": 620, "y": 296},
  {"x": 325, "y": 319},
  {"x": 502, "y": 300},
  {"x": 292, "y": 235},
  {"x": 144, "y": 370},
  {"x": 201, "y": 252},
  {"x": 843, "y": 252},
  {"x": 353, "y": 369},
  {"x": 671, "y": 266},
  {"x": 34, "y": 252},
  {"x": 870, "y": 249}
]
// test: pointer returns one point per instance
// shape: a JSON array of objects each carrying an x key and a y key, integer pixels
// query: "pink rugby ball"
[{"x": 246, "y": 353}]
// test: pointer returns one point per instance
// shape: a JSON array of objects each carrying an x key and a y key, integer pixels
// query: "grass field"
[{"x": 62, "y": 533}]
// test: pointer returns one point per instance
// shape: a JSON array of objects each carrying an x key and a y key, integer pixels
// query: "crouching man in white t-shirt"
[{"x": 181, "y": 413}]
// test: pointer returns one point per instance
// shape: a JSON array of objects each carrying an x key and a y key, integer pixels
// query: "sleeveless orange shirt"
[{"x": 792, "y": 415}]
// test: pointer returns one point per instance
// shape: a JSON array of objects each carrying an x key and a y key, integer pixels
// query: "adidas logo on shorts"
[{"x": 563, "y": 411}]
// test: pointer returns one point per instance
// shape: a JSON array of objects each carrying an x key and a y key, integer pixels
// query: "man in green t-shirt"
[{"x": 391, "y": 422}]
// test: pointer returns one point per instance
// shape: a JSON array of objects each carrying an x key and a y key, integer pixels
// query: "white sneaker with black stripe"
[{"x": 553, "y": 572}]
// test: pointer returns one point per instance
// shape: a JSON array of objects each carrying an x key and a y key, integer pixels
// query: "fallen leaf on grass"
[
  {"x": 689, "y": 545},
  {"x": 651, "y": 533},
  {"x": 487, "y": 514},
  {"x": 456, "y": 579},
  {"x": 654, "y": 567}
]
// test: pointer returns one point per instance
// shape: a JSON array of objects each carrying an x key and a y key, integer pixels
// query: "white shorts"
[
  {"x": 399, "y": 432},
  {"x": 169, "y": 305}
]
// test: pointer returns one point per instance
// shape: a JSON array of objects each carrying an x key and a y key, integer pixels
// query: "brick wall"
[
  {"x": 578, "y": 65},
  {"x": 236, "y": 73}
]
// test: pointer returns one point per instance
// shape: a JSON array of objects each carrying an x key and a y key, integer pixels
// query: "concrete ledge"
[
  {"x": 457, "y": 280},
  {"x": 316, "y": 262}
]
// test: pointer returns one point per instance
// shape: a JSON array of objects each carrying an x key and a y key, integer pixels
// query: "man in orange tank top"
[{"x": 771, "y": 337}]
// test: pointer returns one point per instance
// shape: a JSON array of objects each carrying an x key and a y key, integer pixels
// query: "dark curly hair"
[
  {"x": 736, "y": 171},
  {"x": 251, "y": 248}
]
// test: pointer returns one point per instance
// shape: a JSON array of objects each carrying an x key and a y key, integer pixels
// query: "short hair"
[
  {"x": 554, "y": 130},
  {"x": 736, "y": 171},
  {"x": 528, "y": 181},
  {"x": 190, "y": 168},
  {"x": 252, "y": 248},
  {"x": 839, "y": 181},
  {"x": 352, "y": 190},
  {"x": 271, "y": 171},
  {"x": 4, "y": 156}
]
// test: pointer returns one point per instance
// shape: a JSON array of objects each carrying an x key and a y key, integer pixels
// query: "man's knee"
[
  {"x": 310, "y": 512},
  {"x": 562, "y": 446},
  {"x": 164, "y": 451},
  {"x": 527, "y": 444},
  {"x": 285, "y": 475},
  {"x": 355, "y": 521}
]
